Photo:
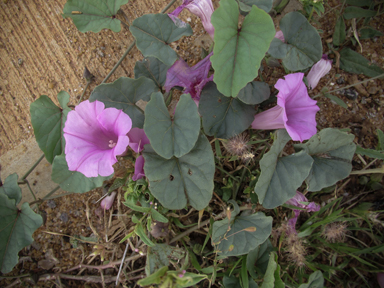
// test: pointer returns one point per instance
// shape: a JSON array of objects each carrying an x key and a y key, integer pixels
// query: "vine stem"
[
  {"x": 33, "y": 167},
  {"x": 226, "y": 172},
  {"x": 85, "y": 89}
]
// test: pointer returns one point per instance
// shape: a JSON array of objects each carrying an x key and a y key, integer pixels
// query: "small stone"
[
  {"x": 51, "y": 84},
  {"x": 51, "y": 204},
  {"x": 20, "y": 61},
  {"x": 102, "y": 48},
  {"x": 101, "y": 54},
  {"x": 363, "y": 100},
  {"x": 340, "y": 80},
  {"x": 351, "y": 94},
  {"x": 64, "y": 217},
  {"x": 373, "y": 89}
]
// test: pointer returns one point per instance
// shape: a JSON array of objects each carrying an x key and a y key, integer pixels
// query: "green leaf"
[
  {"x": 124, "y": 94},
  {"x": 16, "y": 229},
  {"x": 238, "y": 52},
  {"x": 380, "y": 137},
  {"x": 178, "y": 180},
  {"x": 73, "y": 181},
  {"x": 153, "y": 33},
  {"x": 258, "y": 258},
  {"x": 369, "y": 32},
  {"x": 11, "y": 188},
  {"x": 154, "y": 278},
  {"x": 353, "y": 62},
  {"x": 172, "y": 136},
  {"x": 370, "y": 153},
  {"x": 281, "y": 176},
  {"x": 357, "y": 12},
  {"x": 157, "y": 257},
  {"x": 246, "y": 233},
  {"x": 153, "y": 69},
  {"x": 339, "y": 33},
  {"x": 272, "y": 275},
  {"x": 234, "y": 282},
  {"x": 94, "y": 15},
  {"x": 246, "y": 5},
  {"x": 360, "y": 3},
  {"x": 337, "y": 100},
  {"x": 48, "y": 122},
  {"x": 158, "y": 217},
  {"x": 139, "y": 230},
  {"x": 254, "y": 93},
  {"x": 302, "y": 47},
  {"x": 316, "y": 280},
  {"x": 223, "y": 116},
  {"x": 332, "y": 152}
]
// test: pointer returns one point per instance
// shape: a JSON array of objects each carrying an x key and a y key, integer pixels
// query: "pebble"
[
  {"x": 373, "y": 90},
  {"x": 51, "y": 204},
  {"x": 64, "y": 217},
  {"x": 363, "y": 100},
  {"x": 20, "y": 61},
  {"x": 351, "y": 94},
  {"x": 340, "y": 80}
]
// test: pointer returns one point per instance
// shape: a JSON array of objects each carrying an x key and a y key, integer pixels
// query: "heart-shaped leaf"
[
  {"x": 154, "y": 33},
  {"x": 257, "y": 259},
  {"x": 281, "y": 176},
  {"x": 246, "y": 5},
  {"x": 48, "y": 122},
  {"x": 223, "y": 117},
  {"x": 94, "y": 15},
  {"x": 302, "y": 47},
  {"x": 353, "y": 62},
  {"x": 176, "y": 181},
  {"x": 73, "y": 181},
  {"x": 11, "y": 188},
  {"x": 245, "y": 234},
  {"x": 272, "y": 275},
  {"x": 238, "y": 52},
  {"x": 153, "y": 69},
  {"x": 316, "y": 280},
  {"x": 16, "y": 229},
  {"x": 172, "y": 136},
  {"x": 124, "y": 94},
  {"x": 332, "y": 152},
  {"x": 254, "y": 93}
]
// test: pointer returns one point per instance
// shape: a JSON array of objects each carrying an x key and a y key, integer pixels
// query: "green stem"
[
  {"x": 241, "y": 181},
  {"x": 30, "y": 189},
  {"x": 82, "y": 95},
  {"x": 226, "y": 172},
  {"x": 33, "y": 167},
  {"x": 168, "y": 6},
  {"x": 46, "y": 196},
  {"x": 310, "y": 14}
]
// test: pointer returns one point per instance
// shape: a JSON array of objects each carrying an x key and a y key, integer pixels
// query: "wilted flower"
[
  {"x": 279, "y": 35},
  {"x": 319, "y": 70},
  {"x": 137, "y": 139},
  {"x": 295, "y": 110},
  {"x": 139, "y": 169},
  {"x": 107, "y": 202},
  {"x": 94, "y": 137},
  {"x": 193, "y": 79},
  {"x": 201, "y": 8},
  {"x": 335, "y": 232}
]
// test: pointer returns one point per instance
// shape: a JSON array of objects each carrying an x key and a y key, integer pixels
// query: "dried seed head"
[
  {"x": 238, "y": 145},
  {"x": 335, "y": 232},
  {"x": 296, "y": 249}
]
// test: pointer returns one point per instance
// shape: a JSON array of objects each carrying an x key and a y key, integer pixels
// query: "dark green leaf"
[
  {"x": 154, "y": 32},
  {"x": 16, "y": 229},
  {"x": 158, "y": 217},
  {"x": 48, "y": 122},
  {"x": 174, "y": 136},
  {"x": 73, "y": 181},
  {"x": 234, "y": 282},
  {"x": 254, "y": 93},
  {"x": 178, "y": 180},
  {"x": 281, "y": 176},
  {"x": 94, "y": 15},
  {"x": 339, "y": 33},
  {"x": 332, "y": 152},
  {"x": 360, "y": 3},
  {"x": 246, "y": 233},
  {"x": 124, "y": 94},
  {"x": 380, "y": 137},
  {"x": 370, "y": 153},
  {"x": 11, "y": 188},
  {"x": 223, "y": 116},
  {"x": 369, "y": 32},
  {"x": 337, "y": 100},
  {"x": 139, "y": 230},
  {"x": 157, "y": 257},
  {"x": 246, "y": 5},
  {"x": 353, "y": 62},
  {"x": 302, "y": 47},
  {"x": 153, "y": 69},
  {"x": 258, "y": 258},
  {"x": 316, "y": 280},
  {"x": 271, "y": 278},
  {"x": 357, "y": 12},
  {"x": 238, "y": 52}
]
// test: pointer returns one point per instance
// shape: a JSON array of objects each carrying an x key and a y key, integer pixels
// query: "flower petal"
[
  {"x": 270, "y": 119},
  {"x": 139, "y": 169},
  {"x": 318, "y": 71},
  {"x": 107, "y": 202},
  {"x": 203, "y": 9},
  {"x": 137, "y": 139}
]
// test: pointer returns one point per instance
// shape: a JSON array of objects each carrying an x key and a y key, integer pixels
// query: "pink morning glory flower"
[
  {"x": 202, "y": 9},
  {"x": 297, "y": 201},
  {"x": 107, "y": 202},
  {"x": 295, "y": 110},
  {"x": 137, "y": 139},
  {"x": 279, "y": 35},
  {"x": 139, "y": 169},
  {"x": 319, "y": 70},
  {"x": 94, "y": 136},
  {"x": 193, "y": 79}
]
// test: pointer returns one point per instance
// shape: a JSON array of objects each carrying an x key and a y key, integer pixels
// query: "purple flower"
[
  {"x": 201, "y": 8},
  {"x": 94, "y": 136},
  {"x": 139, "y": 169},
  {"x": 295, "y": 110},
  {"x": 137, "y": 139},
  {"x": 107, "y": 202},
  {"x": 279, "y": 35},
  {"x": 297, "y": 201},
  {"x": 319, "y": 70},
  {"x": 193, "y": 79}
]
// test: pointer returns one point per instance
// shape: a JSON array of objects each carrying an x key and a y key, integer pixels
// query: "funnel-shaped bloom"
[
  {"x": 193, "y": 79},
  {"x": 137, "y": 139},
  {"x": 319, "y": 70},
  {"x": 94, "y": 136},
  {"x": 299, "y": 200},
  {"x": 107, "y": 202},
  {"x": 295, "y": 110},
  {"x": 139, "y": 169},
  {"x": 202, "y": 9}
]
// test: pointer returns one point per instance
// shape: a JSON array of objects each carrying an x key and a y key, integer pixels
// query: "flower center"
[{"x": 111, "y": 144}]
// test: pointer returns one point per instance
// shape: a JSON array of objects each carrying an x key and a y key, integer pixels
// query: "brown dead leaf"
[{"x": 353, "y": 80}]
